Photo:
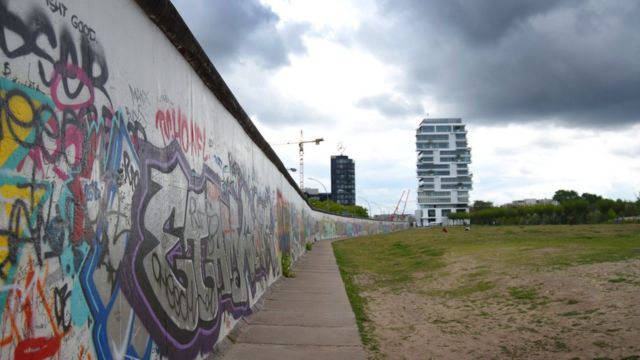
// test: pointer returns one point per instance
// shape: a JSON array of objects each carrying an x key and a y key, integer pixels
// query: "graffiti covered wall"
[{"x": 138, "y": 219}]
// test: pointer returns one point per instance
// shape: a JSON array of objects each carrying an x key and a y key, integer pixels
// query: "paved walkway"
[{"x": 306, "y": 317}]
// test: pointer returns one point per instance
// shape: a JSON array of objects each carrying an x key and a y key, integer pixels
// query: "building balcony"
[
  {"x": 458, "y": 186},
  {"x": 434, "y": 200},
  {"x": 426, "y": 145},
  {"x": 426, "y": 158}
]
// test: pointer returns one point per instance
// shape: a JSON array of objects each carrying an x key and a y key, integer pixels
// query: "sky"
[{"x": 549, "y": 89}]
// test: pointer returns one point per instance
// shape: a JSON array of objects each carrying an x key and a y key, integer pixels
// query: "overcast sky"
[{"x": 549, "y": 89}]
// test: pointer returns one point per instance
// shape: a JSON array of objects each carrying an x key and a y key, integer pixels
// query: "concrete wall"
[{"x": 138, "y": 217}]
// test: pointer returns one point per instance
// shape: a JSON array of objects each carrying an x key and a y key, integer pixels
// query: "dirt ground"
[{"x": 473, "y": 311}]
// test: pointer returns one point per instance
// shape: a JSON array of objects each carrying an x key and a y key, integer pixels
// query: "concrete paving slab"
[
  {"x": 290, "y": 290},
  {"x": 302, "y": 305},
  {"x": 318, "y": 280},
  {"x": 316, "y": 270},
  {"x": 325, "y": 287},
  {"x": 297, "y": 296},
  {"x": 301, "y": 335},
  {"x": 286, "y": 352},
  {"x": 306, "y": 317},
  {"x": 309, "y": 318}
]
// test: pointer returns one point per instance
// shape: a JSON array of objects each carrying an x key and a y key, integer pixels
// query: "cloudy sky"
[{"x": 549, "y": 89}]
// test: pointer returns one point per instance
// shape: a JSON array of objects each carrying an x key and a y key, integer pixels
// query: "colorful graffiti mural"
[{"x": 131, "y": 226}]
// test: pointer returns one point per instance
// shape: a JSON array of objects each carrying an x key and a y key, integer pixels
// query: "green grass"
[
  {"x": 358, "y": 303},
  {"x": 391, "y": 258},
  {"x": 467, "y": 290},
  {"x": 523, "y": 293},
  {"x": 601, "y": 344},
  {"x": 397, "y": 257},
  {"x": 570, "y": 313},
  {"x": 398, "y": 261}
]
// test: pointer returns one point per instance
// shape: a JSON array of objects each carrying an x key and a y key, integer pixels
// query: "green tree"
[
  {"x": 591, "y": 198},
  {"x": 339, "y": 209},
  {"x": 575, "y": 210},
  {"x": 480, "y": 204},
  {"x": 565, "y": 195}
]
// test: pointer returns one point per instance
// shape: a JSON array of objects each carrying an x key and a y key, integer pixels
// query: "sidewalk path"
[{"x": 306, "y": 317}]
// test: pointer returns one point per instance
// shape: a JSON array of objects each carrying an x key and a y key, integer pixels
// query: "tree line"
[
  {"x": 339, "y": 209},
  {"x": 571, "y": 208}
]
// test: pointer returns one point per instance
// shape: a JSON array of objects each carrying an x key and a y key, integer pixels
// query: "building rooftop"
[{"x": 442, "y": 121}]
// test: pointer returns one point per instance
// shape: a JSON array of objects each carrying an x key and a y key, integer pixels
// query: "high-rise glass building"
[
  {"x": 444, "y": 180},
  {"x": 343, "y": 180}
]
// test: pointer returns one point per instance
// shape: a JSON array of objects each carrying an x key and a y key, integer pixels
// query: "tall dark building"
[{"x": 343, "y": 180}]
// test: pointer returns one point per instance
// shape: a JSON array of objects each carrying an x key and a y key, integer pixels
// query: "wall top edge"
[{"x": 169, "y": 21}]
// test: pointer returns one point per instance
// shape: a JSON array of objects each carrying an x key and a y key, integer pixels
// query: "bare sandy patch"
[{"x": 471, "y": 311}]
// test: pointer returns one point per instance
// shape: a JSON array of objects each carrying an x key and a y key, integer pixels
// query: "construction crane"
[
  {"x": 301, "y": 153},
  {"x": 395, "y": 212}
]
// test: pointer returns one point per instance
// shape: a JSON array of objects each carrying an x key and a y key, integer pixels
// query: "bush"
[
  {"x": 573, "y": 209},
  {"x": 286, "y": 266}
]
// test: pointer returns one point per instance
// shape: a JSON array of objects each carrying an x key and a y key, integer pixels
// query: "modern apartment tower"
[
  {"x": 444, "y": 180},
  {"x": 343, "y": 180}
]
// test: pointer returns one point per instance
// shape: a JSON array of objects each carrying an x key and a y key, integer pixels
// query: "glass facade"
[
  {"x": 444, "y": 179},
  {"x": 343, "y": 180}
]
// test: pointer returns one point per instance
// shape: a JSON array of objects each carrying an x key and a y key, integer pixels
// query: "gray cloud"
[
  {"x": 391, "y": 106},
  {"x": 570, "y": 62},
  {"x": 631, "y": 151},
  {"x": 280, "y": 111},
  {"x": 231, "y": 31},
  {"x": 475, "y": 21},
  {"x": 546, "y": 143},
  {"x": 264, "y": 101}
]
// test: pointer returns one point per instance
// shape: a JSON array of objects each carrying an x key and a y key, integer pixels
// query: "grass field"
[{"x": 497, "y": 292}]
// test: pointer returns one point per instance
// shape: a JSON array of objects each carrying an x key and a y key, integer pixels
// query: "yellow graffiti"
[
  {"x": 22, "y": 110},
  {"x": 9, "y": 194},
  {"x": 4, "y": 252}
]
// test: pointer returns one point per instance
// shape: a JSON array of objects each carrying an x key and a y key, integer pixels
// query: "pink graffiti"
[
  {"x": 74, "y": 72},
  {"x": 175, "y": 125}
]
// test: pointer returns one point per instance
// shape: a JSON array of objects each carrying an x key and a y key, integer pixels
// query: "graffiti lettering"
[
  {"x": 7, "y": 70},
  {"x": 174, "y": 126},
  {"x": 139, "y": 96},
  {"x": 196, "y": 256},
  {"x": 115, "y": 242},
  {"x": 83, "y": 28},
  {"x": 67, "y": 67},
  {"x": 165, "y": 99},
  {"x": 57, "y": 7},
  {"x": 61, "y": 297}
]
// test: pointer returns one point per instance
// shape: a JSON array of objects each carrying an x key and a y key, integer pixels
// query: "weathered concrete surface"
[
  {"x": 142, "y": 214},
  {"x": 307, "y": 317}
]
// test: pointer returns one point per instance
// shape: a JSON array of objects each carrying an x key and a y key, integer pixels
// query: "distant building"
[
  {"x": 343, "y": 180},
  {"x": 397, "y": 217},
  {"x": 527, "y": 202},
  {"x": 444, "y": 180},
  {"x": 315, "y": 194}
]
